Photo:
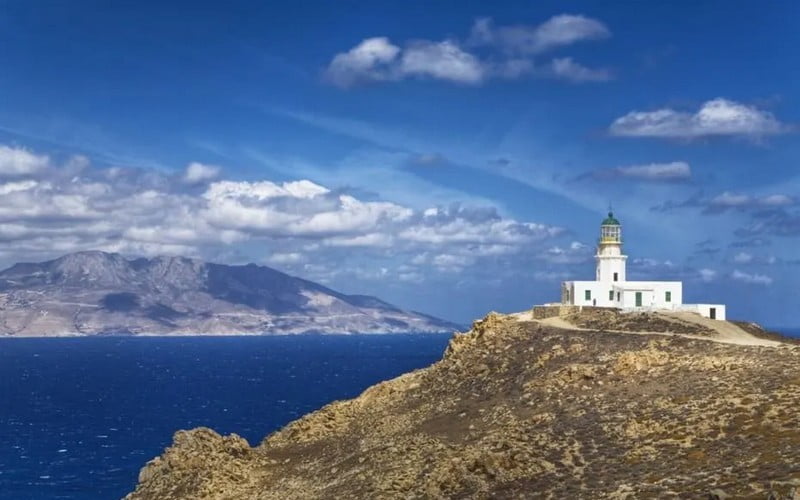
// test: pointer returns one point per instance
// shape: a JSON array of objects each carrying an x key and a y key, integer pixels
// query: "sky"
[{"x": 451, "y": 157}]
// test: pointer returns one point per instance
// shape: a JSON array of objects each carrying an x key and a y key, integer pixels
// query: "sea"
[{"x": 80, "y": 416}]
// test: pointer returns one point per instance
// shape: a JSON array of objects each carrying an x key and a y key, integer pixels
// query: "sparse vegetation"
[{"x": 522, "y": 410}]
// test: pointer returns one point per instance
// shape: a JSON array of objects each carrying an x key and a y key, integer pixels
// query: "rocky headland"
[{"x": 524, "y": 408}]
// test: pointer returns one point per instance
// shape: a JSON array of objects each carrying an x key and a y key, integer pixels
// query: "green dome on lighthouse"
[{"x": 610, "y": 220}]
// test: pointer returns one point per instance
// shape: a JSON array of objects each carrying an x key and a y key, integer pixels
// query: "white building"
[{"x": 612, "y": 289}]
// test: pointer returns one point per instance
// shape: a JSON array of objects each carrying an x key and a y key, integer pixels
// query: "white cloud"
[
  {"x": 264, "y": 190},
  {"x": 755, "y": 279},
  {"x": 777, "y": 200},
  {"x": 552, "y": 275},
  {"x": 377, "y": 59},
  {"x": 144, "y": 212},
  {"x": 561, "y": 30},
  {"x": 451, "y": 263},
  {"x": 10, "y": 187},
  {"x": 457, "y": 225},
  {"x": 653, "y": 172},
  {"x": 411, "y": 277},
  {"x": 502, "y": 52},
  {"x": 567, "y": 69},
  {"x": 370, "y": 60},
  {"x": 19, "y": 161},
  {"x": 707, "y": 275},
  {"x": 367, "y": 240},
  {"x": 718, "y": 117},
  {"x": 728, "y": 200},
  {"x": 441, "y": 60},
  {"x": 575, "y": 253},
  {"x": 658, "y": 171},
  {"x": 743, "y": 258},
  {"x": 285, "y": 258},
  {"x": 197, "y": 173}
]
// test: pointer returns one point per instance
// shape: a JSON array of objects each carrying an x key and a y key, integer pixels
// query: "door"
[
  {"x": 712, "y": 313},
  {"x": 638, "y": 299}
]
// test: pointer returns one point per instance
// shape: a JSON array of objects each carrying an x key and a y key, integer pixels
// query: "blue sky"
[{"x": 451, "y": 157}]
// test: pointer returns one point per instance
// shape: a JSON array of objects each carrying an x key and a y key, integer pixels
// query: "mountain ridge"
[{"x": 95, "y": 292}]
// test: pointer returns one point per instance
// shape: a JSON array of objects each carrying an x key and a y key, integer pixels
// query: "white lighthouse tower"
[
  {"x": 609, "y": 257},
  {"x": 611, "y": 287}
]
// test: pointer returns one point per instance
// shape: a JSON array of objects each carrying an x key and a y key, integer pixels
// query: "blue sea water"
[
  {"x": 80, "y": 416},
  {"x": 788, "y": 331}
]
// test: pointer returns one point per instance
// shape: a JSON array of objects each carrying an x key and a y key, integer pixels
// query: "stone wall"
[
  {"x": 561, "y": 310},
  {"x": 542, "y": 312}
]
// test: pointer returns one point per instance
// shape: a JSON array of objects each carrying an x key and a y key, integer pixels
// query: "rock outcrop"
[
  {"x": 94, "y": 293},
  {"x": 519, "y": 409}
]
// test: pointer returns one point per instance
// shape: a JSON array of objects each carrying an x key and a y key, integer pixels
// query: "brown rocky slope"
[{"x": 523, "y": 409}]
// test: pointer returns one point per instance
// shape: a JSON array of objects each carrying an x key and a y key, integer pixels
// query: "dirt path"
[{"x": 727, "y": 333}]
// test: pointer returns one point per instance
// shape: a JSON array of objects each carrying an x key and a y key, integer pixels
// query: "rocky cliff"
[
  {"x": 91, "y": 293},
  {"x": 524, "y": 409}
]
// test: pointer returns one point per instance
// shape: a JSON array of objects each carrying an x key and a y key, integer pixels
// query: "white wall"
[
  {"x": 598, "y": 291},
  {"x": 705, "y": 310},
  {"x": 610, "y": 260},
  {"x": 607, "y": 266},
  {"x": 653, "y": 293}
]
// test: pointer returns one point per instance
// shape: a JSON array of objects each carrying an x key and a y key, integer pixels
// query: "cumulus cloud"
[
  {"x": 718, "y": 117},
  {"x": 370, "y": 60},
  {"x": 675, "y": 171},
  {"x": 441, "y": 60},
  {"x": 490, "y": 52},
  {"x": 464, "y": 225},
  {"x": 558, "y": 31},
  {"x": 377, "y": 59},
  {"x": 197, "y": 173},
  {"x": 18, "y": 161},
  {"x": 145, "y": 212},
  {"x": 753, "y": 279}
]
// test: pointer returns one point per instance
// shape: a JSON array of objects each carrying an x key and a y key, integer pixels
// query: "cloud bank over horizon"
[{"x": 73, "y": 206}]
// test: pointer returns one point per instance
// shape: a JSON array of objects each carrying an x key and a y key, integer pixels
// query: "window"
[
  {"x": 587, "y": 294},
  {"x": 668, "y": 296},
  {"x": 618, "y": 296},
  {"x": 616, "y": 276},
  {"x": 611, "y": 295}
]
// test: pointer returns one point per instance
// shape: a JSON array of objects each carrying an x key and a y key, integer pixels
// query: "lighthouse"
[
  {"x": 609, "y": 257},
  {"x": 611, "y": 287}
]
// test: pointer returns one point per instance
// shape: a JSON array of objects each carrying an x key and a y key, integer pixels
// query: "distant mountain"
[{"x": 94, "y": 293}]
